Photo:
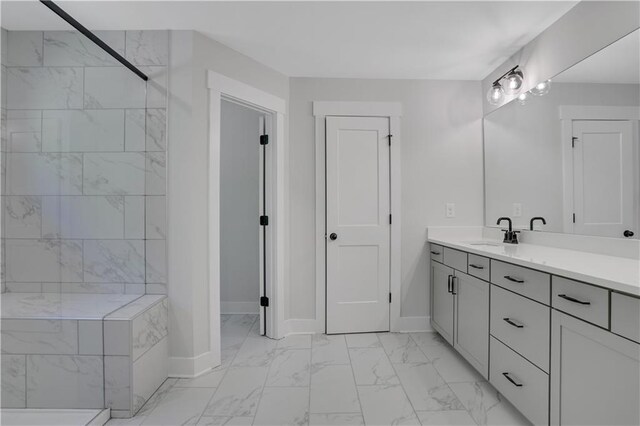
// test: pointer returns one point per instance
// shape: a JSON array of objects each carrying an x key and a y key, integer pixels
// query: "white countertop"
[{"x": 616, "y": 273}]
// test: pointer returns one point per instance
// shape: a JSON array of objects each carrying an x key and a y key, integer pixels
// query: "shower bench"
[{"x": 71, "y": 350}]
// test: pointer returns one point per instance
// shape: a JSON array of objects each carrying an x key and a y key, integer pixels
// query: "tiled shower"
[{"x": 83, "y": 220}]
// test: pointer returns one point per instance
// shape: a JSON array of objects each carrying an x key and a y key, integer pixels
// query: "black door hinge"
[
  {"x": 390, "y": 219},
  {"x": 389, "y": 136},
  {"x": 389, "y": 297},
  {"x": 264, "y": 139},
  {"x": 264, "y": 220},
  {"x": 264, "y": 301},
  {"x": 573, "y": 142},
  {"x": 574, "y": 218}
]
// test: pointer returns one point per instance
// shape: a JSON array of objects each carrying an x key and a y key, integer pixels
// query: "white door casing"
[
  {"x": 603, "y": 183},
  {"x": 358, "y": 215}
]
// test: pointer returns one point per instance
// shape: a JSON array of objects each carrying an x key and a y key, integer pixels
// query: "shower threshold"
[{"x": 50, "y": 417}]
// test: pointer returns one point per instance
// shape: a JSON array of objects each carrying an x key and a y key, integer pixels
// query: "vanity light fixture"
[
  {"x": 541, "y": 88},
  {"x": 523, "y": 97},
  {"x": 512, "y": 84}
]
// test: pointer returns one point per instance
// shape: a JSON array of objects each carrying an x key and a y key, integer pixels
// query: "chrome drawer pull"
[
  {"x": 515, "y": 280},
  {"x": 436, "y": 253},
  {"x": 511, "y": 380},
  {"x": 516, "y": 325},
  {"x": 571, "y": 299},
  {"x": 476, "y": 266}
]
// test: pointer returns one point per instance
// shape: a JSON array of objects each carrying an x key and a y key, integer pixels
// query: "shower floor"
[{"x": 26, "y": 417}]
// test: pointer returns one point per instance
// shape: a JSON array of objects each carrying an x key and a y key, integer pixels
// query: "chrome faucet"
[{"x": 510, "y": 236}]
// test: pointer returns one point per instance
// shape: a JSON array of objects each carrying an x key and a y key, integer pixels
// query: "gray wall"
[
  {"x": 441, "y": 162},
  {"x": 239, "y": 207}
]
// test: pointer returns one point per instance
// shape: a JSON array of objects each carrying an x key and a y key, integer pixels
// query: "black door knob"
[
  {"x": 333, "y": 236},
  {"x": 628, "y": 233}
]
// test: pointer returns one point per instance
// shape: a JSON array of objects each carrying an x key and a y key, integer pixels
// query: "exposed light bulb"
[
  {"x": 495, "y": 94},
  {"x": 541, "y": 88},
  {"x": 523, "y": 97},
  {"x": 514, "y": 82}
]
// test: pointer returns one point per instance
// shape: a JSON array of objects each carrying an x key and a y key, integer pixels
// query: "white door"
[
  {"x": 358, "y": 228},
  {"x": 603, "y": 188}
]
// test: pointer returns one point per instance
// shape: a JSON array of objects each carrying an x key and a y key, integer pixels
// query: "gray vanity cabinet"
[
  {"x": 442, "y": 300},
  {"x": 472, "y": 320},
  {"x": 595, "y": 376}
]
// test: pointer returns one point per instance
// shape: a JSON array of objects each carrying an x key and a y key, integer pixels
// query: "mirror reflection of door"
[{"x": 603, "y": 177}]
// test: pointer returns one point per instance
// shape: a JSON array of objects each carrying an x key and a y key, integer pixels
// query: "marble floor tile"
[
  {"x": 401, "y": 348},
  {"x": 486, "y": 405},
  {"x": 180, "y": 406},
  {"x": 386, "y": 405},
  {"x": 425, "y": 388},
  {"x": 445, "y": 418},
  {"x": 329, "y": 350},
  {"x": 363, "y": 340},
  {"x": 239, "y": 392},
  {"x": 333, "y": 390},
  {"x": 222, "y": 421},
  {"x": 372, "y": 367},
  {"x": 296, "y": 341},
  {"x": 283, "y": 406},
  {"x": 451, "y": 365},
  {"x": 337, "y": 419},
  {"x": 255, "y": 352},
  {"x": 208, "y": 380},
  {"x": 427, "y": 339},
  {"x": 290, "y": 368}
]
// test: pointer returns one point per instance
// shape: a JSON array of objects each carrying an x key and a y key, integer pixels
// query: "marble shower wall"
[{"x": 83, "y": 163}]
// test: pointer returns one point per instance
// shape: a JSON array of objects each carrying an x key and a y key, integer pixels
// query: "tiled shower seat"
[{"x": 82, "y": 350}]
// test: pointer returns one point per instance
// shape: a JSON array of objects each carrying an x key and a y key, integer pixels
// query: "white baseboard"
[
  {"x": 414, "y": 324},
  {"x": 302, "y": 326},
  {"x": 239, "y": 308},
  {"x": 190, "y": 367}
]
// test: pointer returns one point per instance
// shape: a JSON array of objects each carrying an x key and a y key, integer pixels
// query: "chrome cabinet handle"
[
  {"x": 476, "y": 266},
  {"x": 436, "y": 253},
  {"x": 510, "y": 321},
  {"x": 574, "y": 300},
  {"x": 515, "y": 280},
  {"x": 511, "y": 380}
]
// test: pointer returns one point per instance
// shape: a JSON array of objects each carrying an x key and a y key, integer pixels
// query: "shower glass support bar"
[{"x": 91, "y": 36}]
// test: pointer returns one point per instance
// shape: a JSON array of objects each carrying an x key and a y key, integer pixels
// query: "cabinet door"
[
  {"x": 595, "y": 375},
  {"x": 441, "y": 301},
  {"x": 472, "y": 320}
]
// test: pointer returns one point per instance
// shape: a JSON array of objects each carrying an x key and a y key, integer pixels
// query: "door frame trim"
[
  {"x": 569, "y": 113},
  {"x": 393, "y": 111},
  {"x": 222, "y": 87}
]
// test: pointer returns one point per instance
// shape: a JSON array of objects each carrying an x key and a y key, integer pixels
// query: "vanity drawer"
[
  {"x": 436, "y": 252},
  {"x": 522, "y": 383},
  {"x": 625, "y": 316},
  {"x": 456, "y": 259},
  {"x": 521, "y": 324},
  {"x": 527, "y": 282},
  {"x": 479, "y": 266},
  {"x": 581, "y": 300}
]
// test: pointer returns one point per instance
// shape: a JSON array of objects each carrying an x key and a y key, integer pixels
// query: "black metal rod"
[{"x": 91, "y": 36}]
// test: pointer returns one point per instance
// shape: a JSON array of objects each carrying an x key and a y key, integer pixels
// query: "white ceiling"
[
  {"x": 408, "y": 40},
  {"x": 617, "y": 63}
]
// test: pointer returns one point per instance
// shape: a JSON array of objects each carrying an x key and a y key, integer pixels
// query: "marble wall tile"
[
  {"x": 52, "y": 287},
  {"x": 22, "y": 217},
  {"x": 95, "y": 288},
  {"x": 156, "y": 134},
  {"x": 88, "y": 217},
  {"x": 112, "y": 261},
  {"x": 57, "y": 260},
  {"x": 156, "y": 179},
  {"x": 117, "y": 386},
  {"x": 4, "y": 35},
  {"x": 63, "y": 381},
  {"x": 114, "y": 174},
  {"x": 134, "y": 288},
  {"x": 134, "y": 134},
  {"x": 43, "y": 174},
  {"x": 11, "y": 287},
  {"x": 14, "y": 372},
  {"x": 23, "y": 131},
  {"x": 149, "y": 372},
  {"x": 39, "y": 336},
  {"x": 156, "y": 86},
  {"x": 117, "y": 337},
  {"x": 156, "y": 217},
  {"x": 148, "y": 47},
  {"x": 24, "y": 49},
  {"x": 3, "y": 113},
  {"x": 71, "y": 48},
  {"x": 113, "y": 87},
  {"x": 90, "y": 337},
  {"x": 156, "y": 257},
  {"x": 149, "y": 328},
  {"x": 134, "y": 213},
  {"x": 44, "y": 88},
  {"x": 83, "y": 130},
  {"x": 156, "y": 289}
]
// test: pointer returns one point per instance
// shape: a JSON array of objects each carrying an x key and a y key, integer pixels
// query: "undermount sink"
[{"x": 484, "y": 243}]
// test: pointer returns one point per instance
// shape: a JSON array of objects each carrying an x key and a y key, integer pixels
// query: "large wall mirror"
[{"x": 571, "y": 155}]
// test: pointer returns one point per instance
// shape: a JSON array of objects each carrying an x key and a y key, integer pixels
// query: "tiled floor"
[{"x": 373, "y": 379}]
